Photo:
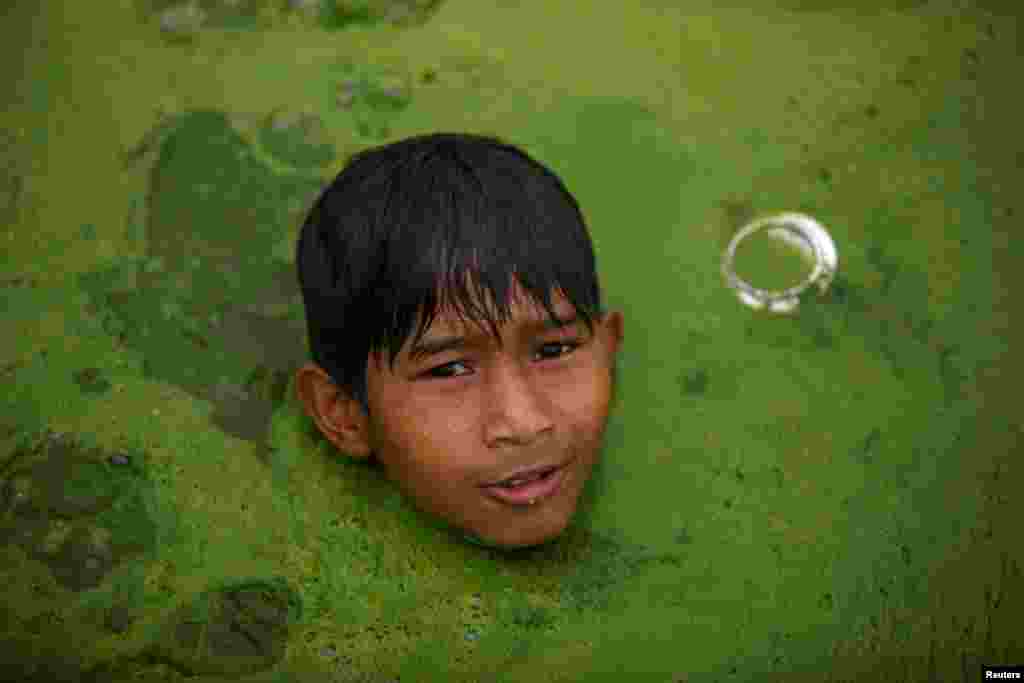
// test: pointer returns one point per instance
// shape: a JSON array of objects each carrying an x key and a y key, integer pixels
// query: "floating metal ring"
[{"x": 799, "y": 230}]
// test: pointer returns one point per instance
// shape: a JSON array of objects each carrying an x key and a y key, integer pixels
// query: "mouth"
[
  {"x": 526, "y": 475},
  {"x": 528, "y": 487}
]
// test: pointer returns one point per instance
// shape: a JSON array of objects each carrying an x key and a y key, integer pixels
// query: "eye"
[
  {"x": 442, "y": 371},
  {"x": 562, "y": 348},
  {"x": 570, "y": 344}
]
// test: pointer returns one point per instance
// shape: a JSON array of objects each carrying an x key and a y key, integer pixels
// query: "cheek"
[
  {"x": 587, "y": 396},
  {"x": 421, "y": 458}
]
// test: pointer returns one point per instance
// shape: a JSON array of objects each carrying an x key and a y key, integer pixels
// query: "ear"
[
  {"x": 613, "y": 331},
  {"x": 338, "y": 416}
]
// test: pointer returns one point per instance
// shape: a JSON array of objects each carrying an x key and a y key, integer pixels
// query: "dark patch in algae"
[
  {"x": 67, "y": 507},
  {"x": 232, "y": 630},
  {"x": 91, "y": 381},
  {"x": 207, "y": 308},
  {"x": 85, "y": 514},
  {"x": 61, "y": 489},
  {"x": 695, "y": 381},
  {"x": 340, "y": 14}
]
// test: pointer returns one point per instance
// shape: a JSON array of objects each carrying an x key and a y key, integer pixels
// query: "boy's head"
[{"x": 458, "y": 236}]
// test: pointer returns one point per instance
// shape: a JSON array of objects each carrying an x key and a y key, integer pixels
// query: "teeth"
[{"x": 523, "y": 480}]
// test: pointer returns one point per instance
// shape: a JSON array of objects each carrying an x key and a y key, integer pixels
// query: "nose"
[{"x": 516, "y": 411}]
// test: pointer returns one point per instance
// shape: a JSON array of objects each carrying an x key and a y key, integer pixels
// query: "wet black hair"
[{"x": 406, "y": 227}]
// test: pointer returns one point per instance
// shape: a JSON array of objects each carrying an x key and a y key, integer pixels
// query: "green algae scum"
[{"x": 827, "y": 496}]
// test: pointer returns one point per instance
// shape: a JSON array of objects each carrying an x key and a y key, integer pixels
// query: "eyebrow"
[{"x": 438, "y": 345}]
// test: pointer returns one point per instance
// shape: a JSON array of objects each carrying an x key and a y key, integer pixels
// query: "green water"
[
  {"x": 768, "y": 262},
  {"x": 823, "y": 497}
]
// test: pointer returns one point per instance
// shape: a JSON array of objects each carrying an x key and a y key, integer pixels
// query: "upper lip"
[{"x": 525, "y": 472}]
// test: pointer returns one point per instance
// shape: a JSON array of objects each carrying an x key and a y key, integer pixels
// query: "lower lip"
[{"x": 536, "y": 491}]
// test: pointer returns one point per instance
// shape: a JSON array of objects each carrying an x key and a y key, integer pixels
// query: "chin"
[
  {"x": 517, "y": 544},
  {"x": 533, "y": 543}
]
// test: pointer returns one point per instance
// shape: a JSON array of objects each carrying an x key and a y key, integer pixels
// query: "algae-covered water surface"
[{"x": 825, "y": 496}]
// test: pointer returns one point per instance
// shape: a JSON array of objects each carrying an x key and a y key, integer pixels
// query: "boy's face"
[{"x": 444, "y": 426}]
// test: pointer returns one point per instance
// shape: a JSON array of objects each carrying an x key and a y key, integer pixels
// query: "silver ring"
[{"x": 800, "y": 231}]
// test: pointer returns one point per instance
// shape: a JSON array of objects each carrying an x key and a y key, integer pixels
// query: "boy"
[{"x": 492, "y": 415}]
